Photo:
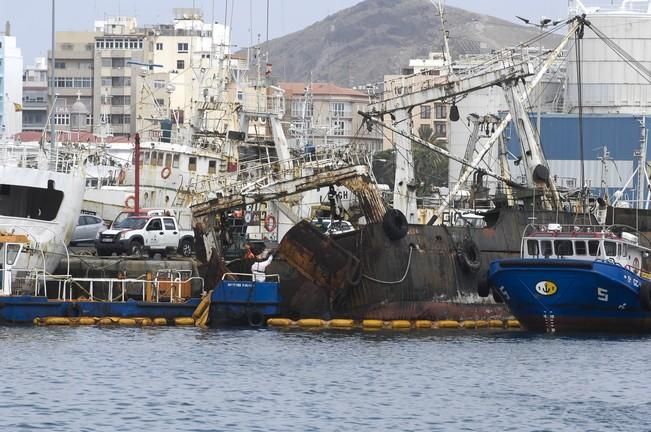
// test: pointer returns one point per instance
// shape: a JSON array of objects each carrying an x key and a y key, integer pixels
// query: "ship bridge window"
[
  {"x": 30, "y": 202},
  {"x": 593, "y": 247},
  {"x": 610, "y": 248},
  {"x": 563, "y": 247},
  {"x": 546, "y": 248},
  {"x": 212, "y": 166},
  {"x": 159, "y": 159},
  {"x": 579, "y": 248},
  {"x": 168, "y": 160},
  {"x": 532, "y": 248},
  {"x": 192, "y": 164},
  {"x": 175, "y": 161}
]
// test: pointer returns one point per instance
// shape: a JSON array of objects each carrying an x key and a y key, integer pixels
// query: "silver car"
[{"x": 87, "y": 229}]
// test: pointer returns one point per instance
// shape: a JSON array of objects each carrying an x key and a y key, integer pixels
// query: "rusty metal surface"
[
  {"x": 318, "y": 257},
  {"x": 369, "y": 198}
]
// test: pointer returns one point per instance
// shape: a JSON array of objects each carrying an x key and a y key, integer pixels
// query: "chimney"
[{"x": 7, "y": 28}]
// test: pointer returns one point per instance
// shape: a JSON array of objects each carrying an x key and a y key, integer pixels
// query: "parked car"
[
  {"x": 136, "y": 235},
  {"x": 87, "y": 229},
  {"x": 329, "y": 227}
]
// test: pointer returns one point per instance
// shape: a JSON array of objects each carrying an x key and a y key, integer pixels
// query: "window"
[
  {"x": 212, "y": 167},
  {"x": 107, "y": 81},
  {"x": 338, "y": 127},
  {"x": 159, "y": 84},
  {"x": 159, "y": 46},
  {"x": 66, "y": 47},
  {"x": 439, "y": 130},
  {"x": 107, "y": 62},
  {"x": 579, "y": 248},
  {"x": 610, "y": 248},
  {"x": 337, "y": 109},
  {"x": 154, "y": 225},
  {"x": 192, "y": 164},
  {"x": 182, "y": 47},
  {"x": 168, "y": 160},
  {"x": 61, "y": 119},
  {"x": 593, "y": 247},
  {"x": 118, "y": 62},
  {"x": 299, "y": 105},
  {"x": 159, "y": 158},
  {"x": 532, "y": 247},
  {"x": 441, "y": 111},
  {"x": 563, "y": 247},
  {"x": 425, "y": 111},
  {"x": 144, "y": 159},
  {"x": 89, "y": 119},
  {"x": 169, "y": 224},
  {"x": 175, "y": 161},
  {"x": 180, "y": 64},
  {"x": 59, "y": 65},
  {"x": 546, "y": 246},
  {"x": 121, "y": 100}
]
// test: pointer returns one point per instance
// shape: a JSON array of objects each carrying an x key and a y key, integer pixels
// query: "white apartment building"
[
  {"x": 35, "y": 96},
  {"x": 11, "y": 88}
]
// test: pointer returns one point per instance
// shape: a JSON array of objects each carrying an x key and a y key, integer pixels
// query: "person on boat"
[
  {"x": 248, "y": 253},
  {"x": 258, "y": 268}
]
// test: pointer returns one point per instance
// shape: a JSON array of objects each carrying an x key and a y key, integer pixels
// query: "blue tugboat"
[{"x": 574, "y": 279}]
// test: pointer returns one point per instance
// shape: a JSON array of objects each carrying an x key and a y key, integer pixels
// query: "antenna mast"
[{"x": 440, "y": 7}]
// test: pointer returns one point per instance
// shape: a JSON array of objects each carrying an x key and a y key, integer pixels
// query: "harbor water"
[{"x": 189, "y": 379}]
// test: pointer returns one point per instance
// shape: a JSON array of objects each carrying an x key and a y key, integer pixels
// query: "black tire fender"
[
  {"x": 395, "y": 224},
  {"x": 483, "y": 287},
  {"x": 255, "y": 318},
  {"x": 645, "y": 296},
  {"x": 469, "y": 256}
]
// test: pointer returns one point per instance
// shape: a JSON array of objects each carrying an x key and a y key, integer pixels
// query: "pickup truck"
[{"x": 136, "y": 235}]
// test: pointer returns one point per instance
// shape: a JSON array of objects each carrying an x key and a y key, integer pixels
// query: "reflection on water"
[{"x": 187, "y": 379}]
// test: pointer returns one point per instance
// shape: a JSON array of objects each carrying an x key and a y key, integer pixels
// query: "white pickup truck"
[{"x": 136, "y": 235}]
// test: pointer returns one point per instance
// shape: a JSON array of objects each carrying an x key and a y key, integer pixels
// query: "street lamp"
[{"x": 542, "y": 24}]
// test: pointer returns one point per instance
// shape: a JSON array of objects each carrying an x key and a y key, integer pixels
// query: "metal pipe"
[{"x": 51, "y": 85}]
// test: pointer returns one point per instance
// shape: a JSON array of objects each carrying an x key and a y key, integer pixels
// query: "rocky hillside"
[{"x": 361, "y": 44}]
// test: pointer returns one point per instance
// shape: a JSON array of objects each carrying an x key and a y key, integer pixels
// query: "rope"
[{"x": 411, "y": 249}]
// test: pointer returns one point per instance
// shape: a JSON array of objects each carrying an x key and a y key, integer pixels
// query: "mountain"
[{"x": 361, "y": 44}]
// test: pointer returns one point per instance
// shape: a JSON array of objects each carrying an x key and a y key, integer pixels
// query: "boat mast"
[{"x": 53, "y": 98}]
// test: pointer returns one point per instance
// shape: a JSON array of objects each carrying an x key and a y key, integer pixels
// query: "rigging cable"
[{"x": 578, "y": 37}]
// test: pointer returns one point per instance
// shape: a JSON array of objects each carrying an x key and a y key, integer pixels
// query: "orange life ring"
[
  {"x": 165, "y": 172},
  {"x": 121, "y": 176},
  {"x": 270, "y": 223},
  {"x": 131, "y": 198}
]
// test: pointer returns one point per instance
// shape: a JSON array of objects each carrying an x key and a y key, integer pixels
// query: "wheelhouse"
[{"x": 587, "y": 243}]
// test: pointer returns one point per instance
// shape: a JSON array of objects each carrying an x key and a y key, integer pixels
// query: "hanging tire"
[
  {"x": 483, "y": 287},
  {"x": 645, "y": 296},
  {"x": 255, "y": 318},
  {"x": 468, "y": 256},
  {"x": 395, "y": 224}
]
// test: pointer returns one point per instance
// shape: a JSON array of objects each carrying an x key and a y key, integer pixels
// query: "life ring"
[
  {"x": 121, "y": 176},
  {"x": 395, "y": 224},
  {"x": 469, "y": 256},
  {"x": 270, "y": 223},
  {"x": 131, "y": 198},
  {"x": 645, "y": 296},
  {"x": 165, "y": 172}
]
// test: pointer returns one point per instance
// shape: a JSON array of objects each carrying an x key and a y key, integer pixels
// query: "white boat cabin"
[{"x": 589, "y": 243}]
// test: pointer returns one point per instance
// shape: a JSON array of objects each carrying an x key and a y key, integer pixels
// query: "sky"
[{"x": 31, "y": 19}]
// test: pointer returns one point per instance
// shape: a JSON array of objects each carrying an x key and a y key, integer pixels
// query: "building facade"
[
  {"x": 321, "y": 114},
  {"x": 11, "y": 89},
  {"x": 35, "y": 96}
]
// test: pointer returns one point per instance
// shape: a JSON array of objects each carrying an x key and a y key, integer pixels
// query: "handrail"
[{"x": 276, "y": 276}]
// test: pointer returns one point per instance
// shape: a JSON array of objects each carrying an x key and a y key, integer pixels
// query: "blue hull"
[
  {"x": 244, "y": 303},
  {"x": 551, "y": 295},
  {"x": 23, "y": 309}
]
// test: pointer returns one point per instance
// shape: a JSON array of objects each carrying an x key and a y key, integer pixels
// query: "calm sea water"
[{"x": 187, "y": 379}]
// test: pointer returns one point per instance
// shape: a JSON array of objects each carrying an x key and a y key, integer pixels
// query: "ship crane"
[{"x": 506, "y": 70}]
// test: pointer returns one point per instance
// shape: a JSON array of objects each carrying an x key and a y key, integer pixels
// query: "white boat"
[{"x": 40, "y": 197}]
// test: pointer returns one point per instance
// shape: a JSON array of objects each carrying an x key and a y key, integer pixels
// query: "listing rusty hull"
[{"x": 417, "y": 277}]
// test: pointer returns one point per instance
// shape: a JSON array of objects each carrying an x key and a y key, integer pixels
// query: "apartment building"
[
  {"x": 429, "y": 121},
  {"x": 325, "y": 114},
  {"x": 11, "y": 89},
  {"x": 73, "y": 78},
  {"x": 35, "y": 96}
]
